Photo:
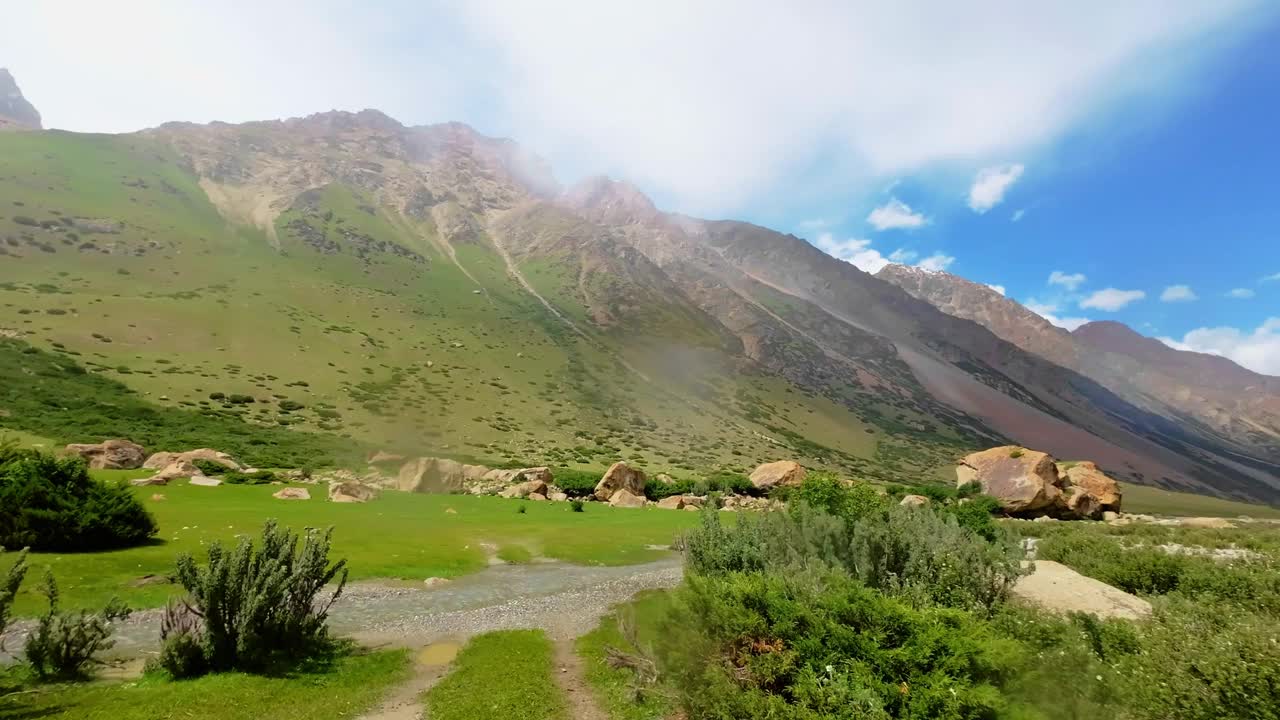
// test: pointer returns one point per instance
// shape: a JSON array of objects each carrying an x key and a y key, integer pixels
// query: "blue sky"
[{"x": 1135, "y": 142}]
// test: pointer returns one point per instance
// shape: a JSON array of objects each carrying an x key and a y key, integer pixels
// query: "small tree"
[
  {"x": 9, "y": 589},
  {"x": 256, "y": 607},
  {"x": 65, "y": 645}
]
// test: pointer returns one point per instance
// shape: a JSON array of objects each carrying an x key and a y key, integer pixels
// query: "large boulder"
[
  {"x": 1058, "y": 588},
  {"x": 526, "y": 489},
  {"x": 431, "y": 475},
  {"x": 350, "y": 491},
  {"x": 1087, "y": 492},
  {"x": 110, "y": 454},
  {"x": 292, "y": 493},
  {"x": 1023, "y": 481},
  {"x": 620, "y": 476},
  {"x": 771, "y": 475},
  {"x": 625, "y": 498},
  {"x": 161, "y": 460},
  {"x": 914, "y": 501},
  {"x": 675, "y": 502},
  {"x": 172, "y": 471}
]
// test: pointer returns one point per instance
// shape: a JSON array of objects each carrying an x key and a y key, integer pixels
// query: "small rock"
[
  {"x": 157, "y": 497},
  {"x": 626, "y": 498},
  {"x": 537, "y": 497},
  {"x": 202, "y": 481},
  {"x": 558, "y": 497},
  {"x": 914, "y": 501},
  {"x": 435, "y": 582},
  {"x": 292, "y": 493},
  {"x": 675, "y": 502}
]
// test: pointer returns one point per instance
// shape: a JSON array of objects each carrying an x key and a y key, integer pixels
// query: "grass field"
[
  {"x": 615, "y": 688},
  {"x": 500, "y": 675},
  {"x": 399, "y": 535},
  {"x": 354, "y": 685},
  {"x": 1143, "y": 499}
]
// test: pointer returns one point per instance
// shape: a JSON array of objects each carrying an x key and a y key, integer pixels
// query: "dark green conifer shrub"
[{"x": 65, "y": 645}]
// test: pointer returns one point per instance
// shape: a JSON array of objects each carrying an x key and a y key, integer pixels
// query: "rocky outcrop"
[
  {"x": 110, "y": 454},
  {"x": 914, "y": 501},
  {"x": 162, "y": 460},
  {"x": 623, "y": 497},
  {"x": 526, "y": 489},
  {"x": 620, "y": 476},
  {"x": 675, "y": 502},
  {"x": 350, "y": 491},
  {"x": 172, "y": 471},
  {"x": 1058, "y": 588},
  {"x": 771, "y": 475},
  {"x": 16, "y": 113},
  {"x": 431, "y": 475},
  {"x": 1029, "y": 483},
  {"x": 292, "y": 493}
]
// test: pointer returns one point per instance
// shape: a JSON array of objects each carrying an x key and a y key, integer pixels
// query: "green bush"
[
  {"x": 257, "y": 477},
  {"x": 576, "y": 483},
  {"x": 65, "y": 645},
  {"x": 49, "y": 503},
  {"x": 655, "y": 489},
  {"x": 977, "y": 515},
  {"x": 210, "y": 467},
  {"x": 820, "y": 645},
  {"x": 258, "y": 606},
  {"x": 576, "y": 506},
  {"x": 9, "y": 589},
  {"x": 826, "y": 492}
]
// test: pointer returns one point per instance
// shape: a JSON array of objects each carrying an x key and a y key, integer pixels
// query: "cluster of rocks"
[{"x": 1031, "y": 484}]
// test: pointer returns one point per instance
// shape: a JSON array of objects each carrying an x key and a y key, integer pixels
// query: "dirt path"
[
  {"x": 405, "y": 701},
  {"x": 570, "y": 675}
]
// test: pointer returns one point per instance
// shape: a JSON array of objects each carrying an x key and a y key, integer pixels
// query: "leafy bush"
[
  {"x": 576, "y": 506},
  {"x": 9, "y": 588},
  {"x": 576, "y": 483},
  {"x": 732, "y": 483},
  {"x": 820, "y": 645},
  {"x": 257, "y": 477},
  {"x": 977, "y": 515},
  {"x": 210, "y": 467},
  {"x": 655, "y": 489},
  {"x": 51, "y": 504},
  {"x": 521, "y": 509},
  {"x": 64, "y": 645},
  {"x": 258, "y": 607},
  {"x": 826, "y": 492}
]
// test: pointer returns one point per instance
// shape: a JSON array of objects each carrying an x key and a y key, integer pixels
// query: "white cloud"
[
  {"x": 1111, "y": 299},
  {"x": 1240, "y": 293},
  {"x": 666, "y": 93},
  {"x": 1017, "y": 215},
  {"x": 1271, "y": 278},
  {"x": 1258, "y": 350},
  {"x": 936, "y": 262},
  {"x": 895, "y": 215},
  {"x": 855, "y": 251},
  {"x": 1178, "y": 293},
  {"x": 813, "y": 224},
  {"x": 1069, "y": 281},
  {"x": 1049, "y": 312},
  {"x": 997, "y": 288},
  {"x": 903, "y": 256},
  {"x": 990, "y": 185}
]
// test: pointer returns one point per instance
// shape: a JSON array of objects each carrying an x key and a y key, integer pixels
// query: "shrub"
[
  {"x": 576, "y": 506},
  {"x": 977, "y": 516},
  {"x": 51, "y": 504},
  {"x": 65, "y": 645},
  {"x": 210, "y": 467},
  {"x": 1016, "y": 453},
  {"x": 9, "y": 589},
  {"x": 258, "y": 606},
  {"x": 257, "y": 477},
  {"x": 576, "y": 483},
  {"x": 820, "y": 645},
  {"x": 521, "y": 509},
  {"x": 825, "y": 492},
  {"x": 239, "y": 399},
  {"x": 655, "y": 489}
]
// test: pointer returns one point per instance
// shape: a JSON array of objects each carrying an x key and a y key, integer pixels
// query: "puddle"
[{"x": 438, "y": 654}]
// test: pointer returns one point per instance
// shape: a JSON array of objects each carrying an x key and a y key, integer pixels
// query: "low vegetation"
[
  {"x": 52, "y": 504},
  {"x": 506, "y": 674}
]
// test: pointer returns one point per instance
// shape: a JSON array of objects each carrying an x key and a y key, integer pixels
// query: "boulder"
[
  {"x": 620, "y": 476},
  {"x": 539, "y": 497},
  {"x": 473, "y": 472},
  {"x": 625, "y": 498},
  {"x": 1058, "y": 588},
  {"x": 175, "y": 469},
  {"x": 292, "y": 493},
  {"x": 675, "y": 502},
  {"x": 664, "y": 478},
  {"x": 914, "y": 501},
  {"x": 202, "y": 481},
  {"x": 431, "y": 475},
  {"x": 1023, "y": 481},
  {"x": 770, "y": 475},
  {"x": 161, "y": 460},
  {"x": 110, "y": 454},
  {"x": 526, "y": 489},
  {"x": 1088, "y": 493},
  {"x": 1207, "y": 523},
  {"x": 692, "y": 508},
  {"x": 694, "y": 501},
  {"x": 351, "y": 492},
  {"x": 558, "y": 497},
  {"x": 382, "y": 456}
]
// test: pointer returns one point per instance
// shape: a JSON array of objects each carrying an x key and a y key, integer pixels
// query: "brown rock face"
[
  {"x": 914, "y": 501},
  {"x": 675, "y": 502},
  {"x": 1024, "y": 481},
  {"x": 526, "y": 489},
  {"x": 620, "y": 476},
  {"x": 783, "y": 472},
  {"x": 161, "y": 460},
  {"x": 625, "y": 498},
  {"x": 351, "y": 492},
  {"x": 110, "y": 454},
  {"x": 292, "y": 493},
  {"x": 1089, "y": 492},
  {"x": 431, "y": 475}
]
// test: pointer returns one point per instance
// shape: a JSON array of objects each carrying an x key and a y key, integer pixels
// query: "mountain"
[
  {"x": 15, "y": 112},
  {"x": 1205, "y": 406},
  {"x": 433, "y": 290}
]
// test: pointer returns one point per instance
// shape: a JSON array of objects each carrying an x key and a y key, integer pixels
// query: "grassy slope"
[
  {"x": 500, "y": 675},
  {"x": 1143, "y": 499},
  {"x": 399, "y": 535},
  {"x": 395, "y": 352},
  {"x": 350, "y": 688}
]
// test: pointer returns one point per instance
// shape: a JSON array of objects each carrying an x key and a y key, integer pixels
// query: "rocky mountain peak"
[
  {"x": 15, "y": 112},
  {"x": 614, "y": 200}
]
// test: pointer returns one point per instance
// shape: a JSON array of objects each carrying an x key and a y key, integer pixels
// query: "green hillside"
[{"x": 358, "y": 324}]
